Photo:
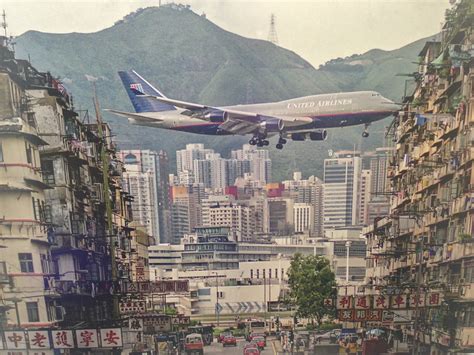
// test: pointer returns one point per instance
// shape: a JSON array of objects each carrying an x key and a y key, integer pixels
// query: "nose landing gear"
[
  {"x": 365, "y": 134},
  {"x": 281, "y": 142}
]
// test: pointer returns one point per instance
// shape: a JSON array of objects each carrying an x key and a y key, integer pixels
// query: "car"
[
  {"x": 229, "y": 340},
  {"x": 251, "y": 349},
  {"x": 222, "y": 335},
  {"x": 332, "y": 336},
  {"x": 194, "y": 344},
  {"x": 260, "y": 341}
]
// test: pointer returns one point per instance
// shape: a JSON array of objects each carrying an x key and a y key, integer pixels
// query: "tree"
[{"x": 311, "y": 280}]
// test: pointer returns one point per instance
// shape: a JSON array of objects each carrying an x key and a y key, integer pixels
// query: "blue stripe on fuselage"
[{"x": 321, "y": 121}]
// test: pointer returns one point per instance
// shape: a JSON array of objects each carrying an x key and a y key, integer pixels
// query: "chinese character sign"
[
  {"x": 111, "y": 338},
  {"x": 15, "y": 340},
  {"x": 39, "y": 339},
  {"x": 346, "y": 315},
  {"x": 399, "y": 301},
  {"x": 62, "y": 339},
  {"x": 86, "y": 338},
  {"x": 135, "y": 324},
  {"x": 381, "y": 302},
  {"x": 344, "y": 302},
  {"x": 328, "y": 302},
  {"x": 362, "y": 302},
  {"x": 433, "y": 299},
  {"x": 417, "y": 300}
]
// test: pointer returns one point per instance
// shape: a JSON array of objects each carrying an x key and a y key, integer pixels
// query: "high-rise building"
[
  {"x": 142, "y": 186},
  {"x": 185, "y": 209},
  {"x": 303, "y": 217},
  {"x": 259, "y": 161},
  {"x": 341, "y": 190},
  {"x": 364, "y": 196},
  {"x": 224, "y": 211},
  {"x": 185, "y": 157},
  {"x": 310, "y": 191},
  {"x": 280, "y": 216},
  {"x": 164, "y": 212},
  {"x": 140, "y": 180}
]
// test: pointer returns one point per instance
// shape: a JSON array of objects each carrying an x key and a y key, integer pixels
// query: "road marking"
[{"x": 274, "y": 349}]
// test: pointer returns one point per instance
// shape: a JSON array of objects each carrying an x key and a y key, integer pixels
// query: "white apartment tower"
[
  {"x": 140, "y": 180},
  {"x": 303, "y": 217},
  {"x": 341, "y": 190}
]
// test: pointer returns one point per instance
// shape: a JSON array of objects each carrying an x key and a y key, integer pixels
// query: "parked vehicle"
[
  {"x": 229, "y": 340},
  {"x": 331, "y": 336},
  {"x": 194, "y": 344}
]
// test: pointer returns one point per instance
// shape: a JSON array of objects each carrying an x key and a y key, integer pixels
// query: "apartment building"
[{"x": 423, "y": 251}]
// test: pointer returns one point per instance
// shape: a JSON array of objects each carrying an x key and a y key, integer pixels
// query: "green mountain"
[{"x": 190, "y": 58}]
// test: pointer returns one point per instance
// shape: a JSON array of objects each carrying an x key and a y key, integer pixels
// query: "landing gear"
[
  {"x": 365, "y": 134},
  {"x": 259, "y": 141},
  {"x": 281, "y": 142}
]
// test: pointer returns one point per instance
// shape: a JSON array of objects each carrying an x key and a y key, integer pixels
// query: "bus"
[{"x": 255, "y": 326}]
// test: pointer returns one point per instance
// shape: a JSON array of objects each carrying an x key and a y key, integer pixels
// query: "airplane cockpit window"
[{"x": 375, "y": 94}]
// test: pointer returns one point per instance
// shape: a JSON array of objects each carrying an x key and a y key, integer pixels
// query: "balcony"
[{"x": 82, "y": 288}]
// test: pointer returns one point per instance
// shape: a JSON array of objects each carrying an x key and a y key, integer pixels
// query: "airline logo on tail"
[{"x": 137, "y": 89}]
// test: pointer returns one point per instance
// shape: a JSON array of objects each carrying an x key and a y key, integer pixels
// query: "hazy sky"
[{"x": 318, "y": 30}]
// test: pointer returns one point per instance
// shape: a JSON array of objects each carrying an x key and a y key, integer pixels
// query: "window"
[
  {"x": 32, "y": 310},
  {"x": 1, "y": 153},
  {"x": 3, "y": 272},
  {"x": 29, "y": 154},
  {"x": 48, "y": 172},
  {"x": 26, "y": 262},
  {"x": 251, "y": 273}
]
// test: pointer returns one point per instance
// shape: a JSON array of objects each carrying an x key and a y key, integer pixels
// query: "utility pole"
[
  {"x": 108, "y": 206},
  {"x": 418, "y": 284},
  {"x": 217, "y": 300}
]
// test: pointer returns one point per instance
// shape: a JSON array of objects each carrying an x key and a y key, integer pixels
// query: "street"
[{"x": 217, "y": 348}]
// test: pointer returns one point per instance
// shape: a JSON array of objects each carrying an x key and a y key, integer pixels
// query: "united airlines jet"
[{"x": 297, "y": 119}]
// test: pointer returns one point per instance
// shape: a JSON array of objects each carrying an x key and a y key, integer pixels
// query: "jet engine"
[
  {"x": 216, "y": 116},
  {"x": 318, "y": 135},
  {"x": 271, "y": 126}
]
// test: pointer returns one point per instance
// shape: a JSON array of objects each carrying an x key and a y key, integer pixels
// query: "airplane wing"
[
  {"x": 135, "y": 116},
  {"x": 233, "y": 121}
]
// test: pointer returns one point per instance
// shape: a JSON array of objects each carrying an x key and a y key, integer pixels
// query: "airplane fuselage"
[{"x": 320, "y": 111}]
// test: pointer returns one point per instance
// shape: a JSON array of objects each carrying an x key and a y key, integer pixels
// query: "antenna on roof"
[{"x": 272, "y": 34}]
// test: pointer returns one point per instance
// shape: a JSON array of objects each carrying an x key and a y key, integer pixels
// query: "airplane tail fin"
[{"x": 139, "y": 91}]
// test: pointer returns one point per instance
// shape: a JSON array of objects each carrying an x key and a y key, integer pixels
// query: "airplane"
[{"x": 297, "y": 119}]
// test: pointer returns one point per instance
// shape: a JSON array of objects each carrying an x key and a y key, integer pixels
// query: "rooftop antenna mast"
[{"x": 272, "y": 34}]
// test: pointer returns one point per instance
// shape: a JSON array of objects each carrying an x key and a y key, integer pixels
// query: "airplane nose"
[{"x": 392, "y": 106}]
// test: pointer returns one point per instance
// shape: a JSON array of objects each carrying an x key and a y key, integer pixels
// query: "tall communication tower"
[
  {"x": 4, "y": 23},
  {"x": 272, "y": 34}
]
